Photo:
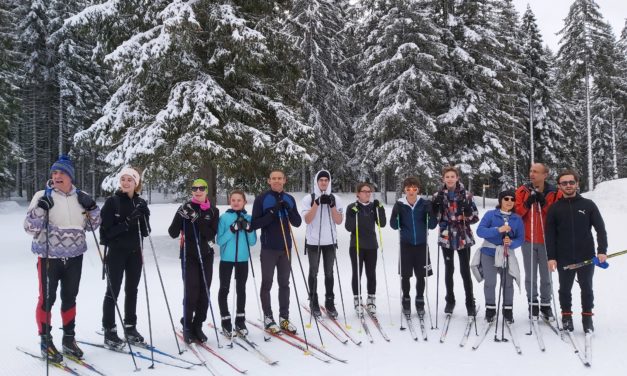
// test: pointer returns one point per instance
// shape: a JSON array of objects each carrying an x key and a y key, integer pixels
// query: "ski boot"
[
  {"x": 490, "y": 313},
  {"x": 132, "y": 334},
  {"x": 547, "y": 312},
  {"x": 358, "y": 307},
  {"x": 329, "y": 304},
  {"x": 371, "y": 305},
  {"x": 534, "y": 309},
  {"x": 240, "y": 325},
  {"x": 111, "y": 339},
  {"x": 198, "y": 333},
  {"x": 450, "y": 306},
  {"x": 314, "y": 307},
  {"x": 271, "y": 325},
  {"x": 567, "y": 321},
  {"x": 471, "y": 308},
  {"x": 586, "y": 320},
  {"x": 406, "y": 306},
  {"x": 49, "y": 350},
  {"x": 227, "y": 326},
  {"x": 420, "y": 307},
  {"x": 286, "y": 325},
  {"x": 70, "y": 347},
  {"x": 508, "y": 314}
]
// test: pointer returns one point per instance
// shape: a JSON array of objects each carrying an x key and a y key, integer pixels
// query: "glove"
[
  {"x": 280, "y": 205},
  {"x": 325, "y": 200},
  {"x": 438, "y": 201},
  {"x": 377, "y": 204},
  {"x": 86, "y": 201},
  {"x": 142, "y": 207},
  {"x": 468, "y": 210},
  {"x": 187, "y": 212},
  {"x": 240, "y": 224},
  {"x": 45, "y": 202},
  {"x": 535, "y": 196},
  {"x": 354, "y": 210},
  {"x": 602, "y": 265}
]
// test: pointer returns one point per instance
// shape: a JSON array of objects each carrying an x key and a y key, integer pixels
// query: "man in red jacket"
[{"x": 532, "y": 203}]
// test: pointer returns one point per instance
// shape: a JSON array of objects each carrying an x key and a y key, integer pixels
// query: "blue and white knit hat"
[{"x": 64, "y": 164}]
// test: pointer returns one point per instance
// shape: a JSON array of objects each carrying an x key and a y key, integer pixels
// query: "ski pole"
[
  {"x": 165, "y": 296},
  {"x": 314, "y": 288},
  {"x": 303, "y": 273},
  {"x": 532, "y": 270},
  {"x": 47, "y": 294},
  {"x": 400, "y": 273},
  {"x": 337, "y": 267},
  {"x": 550, "y": 277},
  {"x": 110, "y": 286},
  {"x": 505, "y": 277},
  {"x": 437, "y": 289},
  {"x": 289, "y": 259},
  {"x": 204, "y": 278},
  {"x": 358, "y": 261},
  {"x": 234, "y": 290},
  {"x": 252, "y": 269},
  {"x": 385, "y": 274},
  {"x": 141, "y": 254},
  {"x": 427, "y": 269}
]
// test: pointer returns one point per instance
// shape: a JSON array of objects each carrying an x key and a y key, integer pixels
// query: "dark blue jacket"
[
  {"x": 488, "y": 230},
  {"x": 412, "y": 221},
  {"x": 267, "y": 220}
]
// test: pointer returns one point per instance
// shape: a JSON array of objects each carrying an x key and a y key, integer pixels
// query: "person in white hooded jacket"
[{"x": 322, "y": 211}]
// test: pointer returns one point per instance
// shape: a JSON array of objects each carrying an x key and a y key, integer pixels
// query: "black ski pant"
[
  {"x": 367, "y": 258},
  {"x": 241, "y": 275},
  {"x": 328, "y": 258},
  {"x": 464, "y": 269},
  {"x": 584, "y": 278},
  {"x": 51, "y": 272},
  {"x": 127, "y": 264},
  {"x": 196, "y": 294},
  {"x": 271, "y": 259},
  {"x": 414, "y": 262}
]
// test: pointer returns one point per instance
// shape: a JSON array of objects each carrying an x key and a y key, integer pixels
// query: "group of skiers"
[{"x": 551, "y": 226}]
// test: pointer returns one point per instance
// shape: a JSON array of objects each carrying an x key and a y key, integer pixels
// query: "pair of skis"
[
  {"x": 512, "y": 335},
  {"x": 375, "y": 321},
  {"x": 587, "y": 354},
  {"x": 63, "y": 365},
  {"x": 248, "y": 345},
  {"x": 412, "y": 329}
]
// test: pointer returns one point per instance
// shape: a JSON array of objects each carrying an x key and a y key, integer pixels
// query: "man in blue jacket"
[
  {"x": 273, "y": 212},
  {"x": 411, "y": 215}
]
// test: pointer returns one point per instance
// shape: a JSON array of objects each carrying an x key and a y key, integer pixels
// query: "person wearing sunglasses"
[
  {"x": 274, "y": 211},
  {"x": 410, "y": 215},
  {"x": 196, "y": 221},
  {"x": 455, "y": 211},
  {"x": 365, "y": 214},
  {"x": 569, "y": 240},
  {"x": 124, "y": 224},
  {"x": 502, "y": 231},
  {"x": 533, "y": 201}
]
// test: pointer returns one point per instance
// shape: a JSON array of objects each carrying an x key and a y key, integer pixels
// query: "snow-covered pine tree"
[
  {"x": 316, "y": 31},
  {"x": 199, "y": 88},
  {"x": 585, "y": 35},
  {"x": 403, "y": 88},
  {"x": 544, "y": 110},
  {"x": 620, "y": 113}
]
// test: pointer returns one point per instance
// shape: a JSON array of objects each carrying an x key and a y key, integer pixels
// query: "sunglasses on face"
[
  {"x": 202, "y": 189},
  {"x": 413, "y": 189},
  {"x": 566, "y": 183},
  {"x": 365, "y": 192},
  {"x": 508, "y": 198}
]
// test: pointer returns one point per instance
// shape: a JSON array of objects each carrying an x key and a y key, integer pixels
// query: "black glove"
[
  {"x": 325, "y": 200},
  {"x": 467, "y": 209},
  {"x": 240, "y": 224},
  {"x": 86, "y": 201},
  {"x": 438, "y": 200},
  {"x": 280, "y": 205},
  {"x": 45, "y": 202},
  {"x": 187, "y": 212},
  {"x": 535, "y": 196},
  {"x": 142, "y": 207},
  {"x": 377, "y": 204}
]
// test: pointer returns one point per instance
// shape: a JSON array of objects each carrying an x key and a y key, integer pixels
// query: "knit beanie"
[
  {"x": 132, "y": 173},
  {"x": 323, "y": 174},
  {"x": 65, "y": 165},
  {"x": 505, "y": 193},
  {"x": 200, "y": 183}
]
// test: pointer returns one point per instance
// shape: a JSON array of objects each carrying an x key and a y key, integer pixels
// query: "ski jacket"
[
  {"x": 488, "y": 230},
  {"x": 412, "y": 220},
  {"x": 203, "y": 229},
  {"x": 325, "y": 228},
  {"x": 226, "y": 238},
  {"x": 270, "y": 223},
  {"x": 551, "y": 195},
  {"x": 455, "y": 232},
  {"x": 66, "y": 225},
  {"x": 367, "y": 218},
  {"x": 568, "y": 236},
  {"x": 115, "y": 231}
]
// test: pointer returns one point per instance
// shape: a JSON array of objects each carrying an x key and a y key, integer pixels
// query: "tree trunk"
[{"x": 383, "y": 186}]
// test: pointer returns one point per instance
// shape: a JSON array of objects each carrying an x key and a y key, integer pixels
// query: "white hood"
[{"x": 317, "y": 191}]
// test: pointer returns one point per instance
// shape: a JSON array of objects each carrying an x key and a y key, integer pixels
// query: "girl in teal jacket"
[{"x": 235, "y": 237}]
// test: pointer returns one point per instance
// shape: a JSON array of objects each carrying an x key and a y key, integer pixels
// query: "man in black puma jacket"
[{"x": 569, "y": 240}]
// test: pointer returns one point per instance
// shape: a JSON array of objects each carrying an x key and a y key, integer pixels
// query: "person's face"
[
  {"x": 450, "y": 179},
  {"x": 364, "y": 194},
  {"x": 61, "y": 181},
  {"x": 127, "y": 184},
  {"x": 199, "y": 192},
  {"x": 323, "y": 184},
  {"x": 537, "y": 174},
  {"x": 507, "y": 203},
  {"x": 568, "y": 185},
  {"x": 411, "y": 192},
  {"x": 277, "y": 181},
  {"x": 237, "y": 202}
]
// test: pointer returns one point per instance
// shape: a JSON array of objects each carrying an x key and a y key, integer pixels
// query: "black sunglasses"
[
  {"x": 508, "y": 198},
  {"x": 202, "y": 189},
  {"x": 569, "y": 182}
]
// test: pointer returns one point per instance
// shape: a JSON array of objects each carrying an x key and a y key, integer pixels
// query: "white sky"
[{"x": 550, "y": 16}]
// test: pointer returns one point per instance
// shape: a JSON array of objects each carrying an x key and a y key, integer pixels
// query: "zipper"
[{"x": 413, "y": 225}]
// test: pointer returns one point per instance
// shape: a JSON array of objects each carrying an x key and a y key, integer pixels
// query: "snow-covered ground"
[{"x": 402, "y": 354}]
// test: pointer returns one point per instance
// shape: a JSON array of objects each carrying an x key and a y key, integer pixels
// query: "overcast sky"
[{"x": 550, "y": 16}]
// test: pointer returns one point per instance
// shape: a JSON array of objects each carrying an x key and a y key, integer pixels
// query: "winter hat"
[
  {"x": 323, "y": 174},
  {"x": 132, "y": 173},
  {"x": 200, "y": 182},
  {"x": 65, "y": 165},
  {"x": 506, "y": 193}
]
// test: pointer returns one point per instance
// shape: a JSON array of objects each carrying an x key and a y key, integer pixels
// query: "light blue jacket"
[{"x": 226, "y": 238}]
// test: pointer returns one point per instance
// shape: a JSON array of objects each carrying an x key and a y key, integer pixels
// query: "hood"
[{"x": 317, "y": 191}]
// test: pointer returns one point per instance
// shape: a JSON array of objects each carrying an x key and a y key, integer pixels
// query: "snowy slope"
[{"x": 402, "y": 354}]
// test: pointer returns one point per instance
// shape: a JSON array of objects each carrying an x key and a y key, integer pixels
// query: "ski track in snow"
[{"x": 402, "y": 354}]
